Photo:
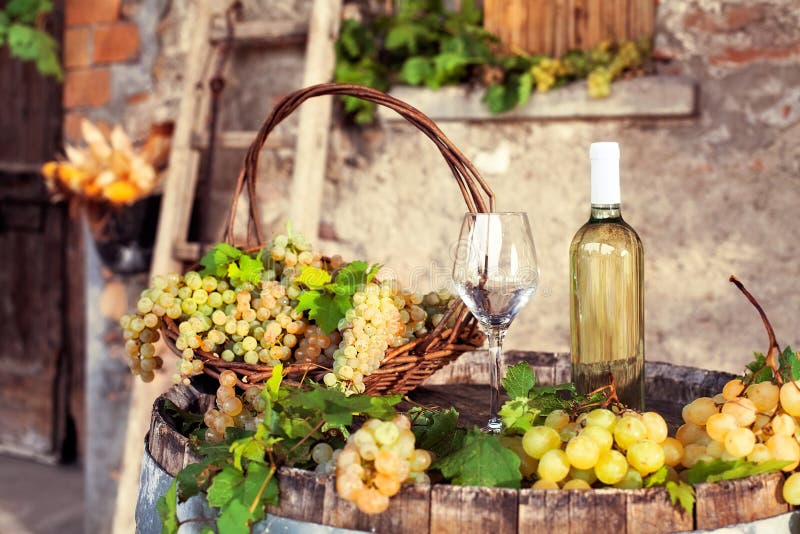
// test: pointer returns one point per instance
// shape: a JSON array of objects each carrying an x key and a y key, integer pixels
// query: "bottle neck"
[{"x": 602, "y": 212}]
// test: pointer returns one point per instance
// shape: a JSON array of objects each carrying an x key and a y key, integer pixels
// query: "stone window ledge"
[{"x": 647, "y": 96}]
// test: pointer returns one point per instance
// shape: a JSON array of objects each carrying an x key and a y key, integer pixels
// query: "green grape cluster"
[{"x": 600, "y": 448}]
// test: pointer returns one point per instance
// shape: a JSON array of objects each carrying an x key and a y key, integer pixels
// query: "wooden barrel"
[{"x": 309, "y": 498}]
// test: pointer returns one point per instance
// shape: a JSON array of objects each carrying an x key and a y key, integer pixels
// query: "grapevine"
[{"x": 423, "y": 43}]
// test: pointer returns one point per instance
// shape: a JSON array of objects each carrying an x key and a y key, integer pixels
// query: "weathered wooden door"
[{"x": 41, "y": 307}]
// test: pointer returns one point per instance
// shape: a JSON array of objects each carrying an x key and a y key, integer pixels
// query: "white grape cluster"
[
  {"x": 383, "y": 316},
  {"x": 600, "y": 448},
  {"x": 376, "y": 461},
  {"x": 758, "y": 423}
]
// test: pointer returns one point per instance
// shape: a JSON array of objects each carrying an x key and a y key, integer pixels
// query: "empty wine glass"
[{"x": 495, "y": 272}]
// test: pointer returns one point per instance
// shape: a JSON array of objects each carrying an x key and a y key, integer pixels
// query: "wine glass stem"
[{"x": 495, "y": 335}]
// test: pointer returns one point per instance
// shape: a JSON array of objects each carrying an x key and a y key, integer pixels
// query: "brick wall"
[{"x": 95, "y": 39}]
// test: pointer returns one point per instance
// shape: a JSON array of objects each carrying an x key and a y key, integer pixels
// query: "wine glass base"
[{"x": 494, "y": 426}]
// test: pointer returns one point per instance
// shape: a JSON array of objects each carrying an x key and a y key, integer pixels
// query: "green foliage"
[
  {"x": 167, "y": 507},
  {"x": 437, "y": 431},
  {"x": 681, "y": 492},
  {"x": 788, "y": 367},
  {"x": 186, "y": 422},
  {"x": 238, "y": 474},
  {"x": 530, "y": 404},
  {"x": 218, "y": 259},
  {"x": 423, "y": 43},
  {"x": 519, "y": 380},
  {"x": 481, "y": 461},
  {"x": 246, "y": 269},
  {"x": 327, "y": 303},
  {"x": 19, "y": 29},
  {"x": 719, "y": 469}
]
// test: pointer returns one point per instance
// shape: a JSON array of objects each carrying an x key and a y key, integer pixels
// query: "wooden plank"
[
  {"x": 311, "y": 155},
  {"x": 261, "y": 32},
  {"x": 739, "y": 501},
  {"x": 588, "y": 509},
  {"x": 650, "y": 510},
  {"x": 543, "y": 510},
  {"x": 177, "y": 200},
  {"x": 410, "y": 511},
  {"x": 462, "y": 509},
  {"x": 647, "y": 96},
  {"x": 301, "y": 493},
  {"x": 242, "y": 139}
]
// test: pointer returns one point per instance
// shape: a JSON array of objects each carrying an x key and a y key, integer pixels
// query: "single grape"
[
  {"x": 553, "y": 465},
  {"x": 765, "y": 396},
  {"x": 540, "y": 439},
  {"x": 791, "y": 489},
  {"x": 673, "y": 451},
  {"x": 545, "y": 485},
  {"x": 628, "y": 431},
  {"x": 582, "y": 452},
  {"x": 739, "y": 442},
  {"x": 656, "y": 426},
  {"x": 601, "y": 437},
  {"x": 587, "y": 475},
  {"x": 732, "y": 389},
  {"x": 631, "y": 480},
  {"x": 742, "y": 409},
  {"x": 719, "y": 424},
  {"x": 692, "y": 453},
  {"x": 557, "y": 419},
  {"x": 783, "y": 424},
  {"x": 576, "y": 484},
  {"x": 699, "y": 410},
  {"x": 646, "y": 456},
  {"x": 602, "y": 418},
  {"x": 690, "y": 433},
  {"x": 784, "y": 448},
  {"x": 789, "y": 397}
]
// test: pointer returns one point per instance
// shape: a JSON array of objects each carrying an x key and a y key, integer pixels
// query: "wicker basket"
[{"x": 402, "y": 368}]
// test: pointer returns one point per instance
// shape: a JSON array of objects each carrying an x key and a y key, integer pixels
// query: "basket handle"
[{"x": 476, "y": 192}]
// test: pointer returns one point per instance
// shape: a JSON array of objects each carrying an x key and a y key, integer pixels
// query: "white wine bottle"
[{"x": 607, "y": 290}]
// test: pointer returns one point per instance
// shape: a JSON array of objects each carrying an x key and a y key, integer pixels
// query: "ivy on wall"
[
  {"x": 21, "y": 30},
  {"x": 424, "y": 44}
]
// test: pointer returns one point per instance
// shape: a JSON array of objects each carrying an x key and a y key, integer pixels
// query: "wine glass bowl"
[{"x": 495, "y": 272}]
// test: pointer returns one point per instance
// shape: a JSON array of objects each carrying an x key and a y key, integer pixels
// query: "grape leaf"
[
  {"x": 224, "y": 486},
  {"x": 167, "y": 507},
  {"x": 353, "y": 276},
  {"x": 683, "y": 493},
  {"x": 416, "y": 70},
  {"x": 246, "y": 269},
  {"x": 659, "y": 478},
  {"x": 518, "y": 415},
  {"x": 758, "y": 369},
  {"x": 216, "y": 260},
  {"x": 195, "y": 478},
  {"x": 235, "y": 518},
  {"x": 481, "y": 461},
  {"x": 186, "y": 421},
  {"x": 313, "y": 277},
  {"x": 519, "y": 380},
  {"x": 789, "y": 364},
  {"x": 337, "y": 409},
  {"x": 437, "y": 431},
  {"x": 719, "y": 469},
  {"x": 322, "y": 308}
]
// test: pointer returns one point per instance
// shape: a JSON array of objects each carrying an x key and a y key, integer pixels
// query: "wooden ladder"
[{"x": 210, "y": 44}]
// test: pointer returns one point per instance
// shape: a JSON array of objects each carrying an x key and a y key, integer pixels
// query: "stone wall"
[{"x": 710, "y": 196}]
